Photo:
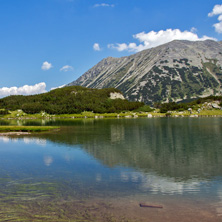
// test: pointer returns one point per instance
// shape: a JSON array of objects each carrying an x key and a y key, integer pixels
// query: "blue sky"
[{"x": 49, "y": 43}]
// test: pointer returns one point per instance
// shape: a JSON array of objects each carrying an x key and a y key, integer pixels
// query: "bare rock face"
[
  {"x": 216, "y": 106},
  {"x": 171, "y": 72},
  {"x": 115, "y": 95}
]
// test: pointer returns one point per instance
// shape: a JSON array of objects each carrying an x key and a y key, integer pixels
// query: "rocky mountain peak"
[{"x": 174, "y": 71}]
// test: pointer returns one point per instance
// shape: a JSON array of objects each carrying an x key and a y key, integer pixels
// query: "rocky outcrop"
[
  {"x": 115, "y": 95},
  {"x": 174, "y": 71}
]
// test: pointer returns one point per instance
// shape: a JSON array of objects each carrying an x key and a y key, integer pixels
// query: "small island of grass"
[{"x": 26, "y": 129}]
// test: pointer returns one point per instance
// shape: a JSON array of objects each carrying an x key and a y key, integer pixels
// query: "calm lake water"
[{"x": 172, "y": 162}]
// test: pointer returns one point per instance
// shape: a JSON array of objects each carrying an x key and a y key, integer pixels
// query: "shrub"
[
  {"x": 4, "y": 112},
  {"x": 144, "y": 108}
]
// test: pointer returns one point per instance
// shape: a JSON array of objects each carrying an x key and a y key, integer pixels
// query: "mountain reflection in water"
[
  {"x": 159, "y": 159},
  {"x": 181, "y": 148}
]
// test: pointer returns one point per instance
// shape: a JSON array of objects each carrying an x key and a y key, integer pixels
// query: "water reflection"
[
  {"x": 178, "y": 148},
  {"x": 151, "y": 156},
  {"x": 156, "y": 184},
  {"x": 48, "y": 160},
  {"x": 5, "y": 139},
  {"x": 219, "y": 204},
  {"x": 117, "y": 133},
  {"x": 41, "y": 142}
]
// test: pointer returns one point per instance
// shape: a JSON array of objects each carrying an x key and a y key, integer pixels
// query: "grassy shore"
[
  {"x": 21, "y": 115},
  {"x": 27, "y": 128}
]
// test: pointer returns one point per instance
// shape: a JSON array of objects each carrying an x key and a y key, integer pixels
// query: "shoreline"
[
  {"x": 112, "y": 117},
  {"x": 14, "y": 133}
]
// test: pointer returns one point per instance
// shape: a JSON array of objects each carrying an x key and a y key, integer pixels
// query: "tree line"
[
  {"x": 70, "y": 100},
  {"x": 172, "y": 106}
]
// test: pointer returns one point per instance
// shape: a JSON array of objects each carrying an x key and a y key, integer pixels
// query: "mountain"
[{"x": 174, "y": 71}]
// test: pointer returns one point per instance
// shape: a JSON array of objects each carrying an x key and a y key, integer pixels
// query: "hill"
[
  {"x": 72, "y": 99},
  {"x": 175, "y": 71}
]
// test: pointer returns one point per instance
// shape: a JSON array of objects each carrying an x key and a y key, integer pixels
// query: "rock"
[
  {"x": 190, "y": 110},
  {"x": 115, "y": 95},
  {"x": 215, "y": 106},
  {"x": 149, "y": 115}
]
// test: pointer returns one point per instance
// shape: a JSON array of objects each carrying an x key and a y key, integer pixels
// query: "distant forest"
[
  {"x": 69, "y": 100},
  {"x": 172, "y": 106}
]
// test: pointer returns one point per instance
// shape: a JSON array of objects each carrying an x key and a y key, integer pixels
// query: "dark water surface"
[{"x": 169, "y": 161}]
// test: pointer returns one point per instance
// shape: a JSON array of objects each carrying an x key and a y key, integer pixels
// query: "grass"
[
  {"x": 128, "y": 114},
  {"x": 211, "y": 113},
  {"x": 194, "y": 112},
  {"x": 27, "y": 128}
]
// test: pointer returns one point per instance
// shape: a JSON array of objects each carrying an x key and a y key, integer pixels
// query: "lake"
[{"x": 102, "y": 169}]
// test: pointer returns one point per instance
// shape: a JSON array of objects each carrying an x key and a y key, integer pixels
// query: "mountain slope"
[{"x": 171, "y": 72}]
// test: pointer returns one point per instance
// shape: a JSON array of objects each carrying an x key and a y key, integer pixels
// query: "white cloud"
[
  {"x": 103, "y": 5},
  {"x": 217, "y": 10},
  {"x": 218, "y": 27},
  {"x": 193, "y": 30},
  {"x": 96, "y": 47},
  {"x": 57, "y": 87},
  {"x": 66, "y": 68},
  {"x": 153, "y": 39},
  {"x": 46, "y": 65},
  {"x": 24, "y": 90}
]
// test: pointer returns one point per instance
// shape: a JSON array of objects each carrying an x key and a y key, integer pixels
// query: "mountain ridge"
[{"x": 173, "y": 71}]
